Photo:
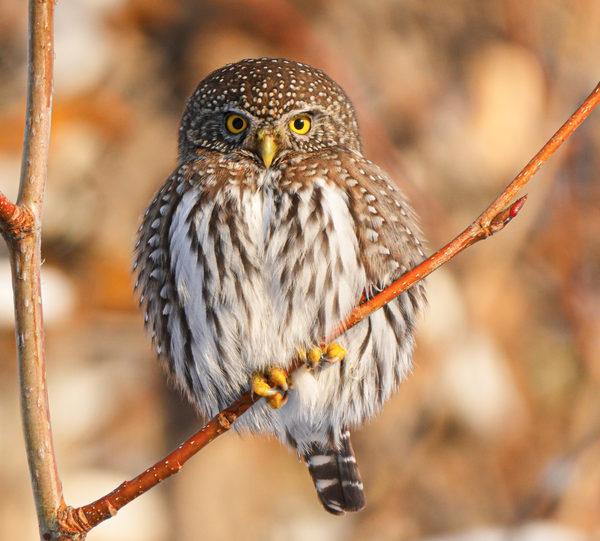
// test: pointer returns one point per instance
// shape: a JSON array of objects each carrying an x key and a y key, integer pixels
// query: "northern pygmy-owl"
[{"x": 270, "y": 230}]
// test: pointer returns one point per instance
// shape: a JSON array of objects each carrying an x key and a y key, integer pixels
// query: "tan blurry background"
[{"x": 497, "y": 432}]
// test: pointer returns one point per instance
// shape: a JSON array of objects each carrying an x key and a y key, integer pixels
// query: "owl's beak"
[{"x": 267, "y": 147}]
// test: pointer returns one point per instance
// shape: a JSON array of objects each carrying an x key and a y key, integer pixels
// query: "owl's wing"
[
  {"x": 386, "y": 226},
  {"x": 152, "y": 266},
  {"x": 338, "y": 227},
  {"x": 388, "y": 231}
]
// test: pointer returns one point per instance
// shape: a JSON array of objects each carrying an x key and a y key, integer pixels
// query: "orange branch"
[
  {"x": 492, "y": 220},
  {"x": 7, "y": 210}
]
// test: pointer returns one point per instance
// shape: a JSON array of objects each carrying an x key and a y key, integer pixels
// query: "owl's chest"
[
  {"x": 271, "y": 232},
  {"x": 286, "y": 221},
  {"x": 280, "y": 255}
]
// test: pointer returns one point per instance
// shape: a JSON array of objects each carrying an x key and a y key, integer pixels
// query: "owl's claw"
[
  {"x": 332, "y": 353},
  {"x": 273, "y": 386},
  {"x": 370, "y": 291}
]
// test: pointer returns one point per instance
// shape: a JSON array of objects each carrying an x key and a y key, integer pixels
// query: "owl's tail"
[{"x": 336, "y": 476}]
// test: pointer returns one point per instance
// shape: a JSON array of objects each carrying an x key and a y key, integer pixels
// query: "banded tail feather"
[{"x": 336, "y": 477}]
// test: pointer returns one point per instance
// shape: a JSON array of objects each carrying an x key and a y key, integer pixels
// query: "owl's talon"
[
  {"x": 313, "y": 357},
  {"x": 370, "y": 291},
  {"x": 273, "y": 386},
  {"x": 277, "y": 400},
  {"x": 279, "y": 378},
  {"x": 261, "y": 387},
  {"x": 333, "y": 352}
]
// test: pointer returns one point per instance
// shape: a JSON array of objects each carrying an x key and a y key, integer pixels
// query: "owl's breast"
[
  {"x": 263, "y": 270},
  {"x": 315, "y": 275}
]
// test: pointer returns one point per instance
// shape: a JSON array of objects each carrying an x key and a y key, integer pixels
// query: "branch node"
[
  {"x": 505, "y": 216},
  {"x": 226, "y": 419},
  {"x": 16, "y": 221},
  {"x": 111, "y": 509},
  {"x": 73, "y": 520}
]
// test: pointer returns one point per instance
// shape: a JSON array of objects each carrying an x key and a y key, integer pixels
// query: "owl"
[{"x": 271, "y": 229}]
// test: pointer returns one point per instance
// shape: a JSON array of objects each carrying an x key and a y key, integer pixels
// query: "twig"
[
  {"x": 492, "y": 220},
  {"x": 8, "y": 210},
  {"x": 20, "y": 226}
]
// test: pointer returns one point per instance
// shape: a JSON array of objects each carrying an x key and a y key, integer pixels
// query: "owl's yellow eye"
[
  {"x": 235, "y": 123},
  {"x": 300, "y": 124}
]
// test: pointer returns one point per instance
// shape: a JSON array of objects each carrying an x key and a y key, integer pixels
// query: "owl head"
[{"x": 264, "y": 108}]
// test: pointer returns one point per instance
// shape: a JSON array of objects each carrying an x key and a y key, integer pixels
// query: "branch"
[
  {"x": 20, "y": 227},
  {"x": 492, "y": 220},
  {"x": 40, "y": 62}
]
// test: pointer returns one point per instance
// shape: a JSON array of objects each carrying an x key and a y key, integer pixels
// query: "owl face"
[{"x": 264, "y": 108}]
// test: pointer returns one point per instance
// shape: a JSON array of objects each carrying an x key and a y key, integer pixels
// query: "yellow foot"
[
  {"x": 331, "y": 353},
  {"x": 273, "y": 385}
]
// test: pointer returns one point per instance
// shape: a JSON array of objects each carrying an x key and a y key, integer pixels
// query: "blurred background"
[{"x": 496, "y": 435}]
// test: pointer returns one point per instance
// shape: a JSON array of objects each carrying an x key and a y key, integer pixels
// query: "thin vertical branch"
[
  {"x": 20, "y": 226},
  {"x": 40, "y": 62}
]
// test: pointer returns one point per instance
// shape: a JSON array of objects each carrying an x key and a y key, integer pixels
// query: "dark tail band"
[{"x": 336, "y": 476}]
